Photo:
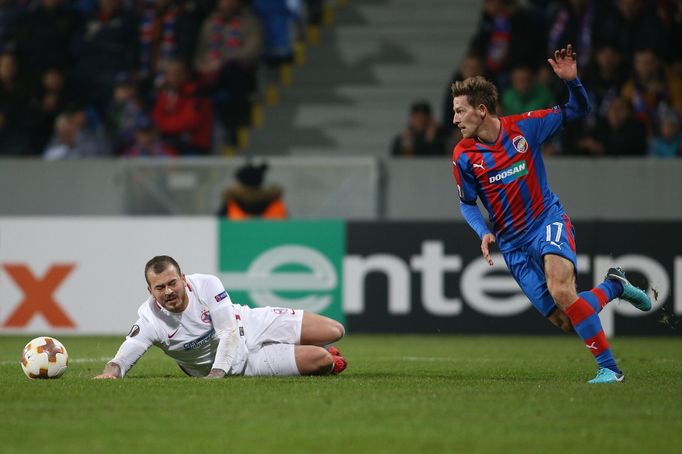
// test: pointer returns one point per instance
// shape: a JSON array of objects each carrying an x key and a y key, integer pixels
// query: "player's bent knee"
[
  {"x": 319, "y": 330},
  {"x": 563, "y": 295},
  {"x": 338, "y": 331}
]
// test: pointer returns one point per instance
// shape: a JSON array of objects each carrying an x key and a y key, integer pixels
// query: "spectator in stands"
[
  {"x": 9, "y": 14},
  {"x": 668, "y": 142},
  {"x": 229, "y": 49},
  {"x": 85, "y": 7},
  {"x": 63, "y": 144},
  {"x": 48, "y": 101},
  {"x": 105, "y": 46},
  {"x": 147, "y": 143},
  {"x": 651, "y": 88},
  {"x": 125, "y": 108},
  {"x": 525, "y": 93},
  {"x": 620, "y": 135},
  {"x": 422, "y": 136},
  {"x": 183, "y": 115},
  {"x": 633, "y": 24},
  {"x": 76, "y": 137},
  {"x": 13, "y": 108},
  {"x": 280, "y": 19},
  {"x": 604, "y": 79},
  {"x": 508, "y": 34},
  {"x": 91, "y": 135},
  {"x": 574, "y": 22},
  {"x": 44, "y": 35},
  {"x": 670, "y": 13},
  {"x": 168, "y": 29},
  {"x": 248, "y": 198}
]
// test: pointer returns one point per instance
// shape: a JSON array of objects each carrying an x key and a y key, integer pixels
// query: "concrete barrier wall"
[
  {"x": 317, "y": 187},
  {"x": 314, "y": 187},
  {"x": 591, "y": 189}
]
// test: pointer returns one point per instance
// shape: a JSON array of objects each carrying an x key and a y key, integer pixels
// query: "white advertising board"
[{"x": 85, "y": 275}]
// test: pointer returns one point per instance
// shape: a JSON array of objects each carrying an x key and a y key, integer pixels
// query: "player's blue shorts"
[{"x": 526, "y": 263}]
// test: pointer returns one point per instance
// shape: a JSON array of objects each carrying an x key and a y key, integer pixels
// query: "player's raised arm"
[
  {"x": 564, "y": 63},
  {"x": 565, "y": 67}
]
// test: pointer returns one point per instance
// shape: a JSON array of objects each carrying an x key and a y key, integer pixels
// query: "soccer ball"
[{"x": 44, "y": 357}]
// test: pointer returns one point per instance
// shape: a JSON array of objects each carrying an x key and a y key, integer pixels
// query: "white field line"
[{"x": 75, "y": 360}]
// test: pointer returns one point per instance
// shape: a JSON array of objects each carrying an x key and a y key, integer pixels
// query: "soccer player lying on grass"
[
  {"x": 192, "y": 319},
  {"x": 499, "y": 161}
]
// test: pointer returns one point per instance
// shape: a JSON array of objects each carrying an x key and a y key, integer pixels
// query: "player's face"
[
  {"x": 168, "y": 289},
  {"x": 467, "y": 118}
]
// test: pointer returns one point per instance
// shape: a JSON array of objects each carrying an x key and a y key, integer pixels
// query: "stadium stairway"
[{"x": 352, "y": 95}]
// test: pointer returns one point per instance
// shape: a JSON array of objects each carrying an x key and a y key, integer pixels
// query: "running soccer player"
[
  {"x": 499, "y": 162},
  {"x": 192, "y": 319}
]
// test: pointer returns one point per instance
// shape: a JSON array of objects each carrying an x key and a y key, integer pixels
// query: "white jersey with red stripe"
[{"x": 189, "y": 337}]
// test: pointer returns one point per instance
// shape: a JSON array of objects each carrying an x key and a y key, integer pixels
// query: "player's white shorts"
[
  {"x": 272, "y": 359},
  {"x": 270, "y": 334}
]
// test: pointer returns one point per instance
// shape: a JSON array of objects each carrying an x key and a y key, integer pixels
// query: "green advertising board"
[{"x": 297, "y": 264}]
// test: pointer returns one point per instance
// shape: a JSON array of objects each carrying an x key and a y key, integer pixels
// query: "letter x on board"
[{"x": 38, "y": 296}]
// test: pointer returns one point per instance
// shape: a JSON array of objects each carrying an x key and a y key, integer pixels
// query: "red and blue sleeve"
[
  {"x": 466, "y": 187},
  {"x": 542, "y": 124},
  {"x": 466, "y": 181},
  {"x": 578, "y": 104}
]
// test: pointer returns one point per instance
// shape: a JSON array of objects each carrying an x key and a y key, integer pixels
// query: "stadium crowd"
[
  {"x": 85, "y": 78},
  {"x": 629, "y": 58}
]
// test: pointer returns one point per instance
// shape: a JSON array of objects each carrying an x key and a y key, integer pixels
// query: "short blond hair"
[{"x": 478, "y": 90}]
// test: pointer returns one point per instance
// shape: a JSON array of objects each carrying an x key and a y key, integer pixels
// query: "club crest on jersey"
[
  {"x": 205, "y": 316},
  {"x": 220, "y": 297},
  {"x": 520, "y": 144}
]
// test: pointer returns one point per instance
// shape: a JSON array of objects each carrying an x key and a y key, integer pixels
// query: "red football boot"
[
  {"x": 340, "y": 364},
  {"x": 334, "y": 351}
]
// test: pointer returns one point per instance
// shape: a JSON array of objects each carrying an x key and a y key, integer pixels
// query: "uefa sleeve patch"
[{"x": 221, "y": 296}]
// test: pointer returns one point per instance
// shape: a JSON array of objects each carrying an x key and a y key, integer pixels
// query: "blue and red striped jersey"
[{"x": 509, "y": 176}]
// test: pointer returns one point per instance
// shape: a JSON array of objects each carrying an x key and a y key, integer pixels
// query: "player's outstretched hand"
[
  {"x": 216, "y": 373},
  {"x": 106, "y": 377},
  {"x": 487, "y": 240},
  {"x": 111, "y": 371},
  {"x": 564, "y": 64}
]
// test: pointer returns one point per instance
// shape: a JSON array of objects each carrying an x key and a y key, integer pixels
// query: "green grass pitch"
[{"x": 399, "y": 394}]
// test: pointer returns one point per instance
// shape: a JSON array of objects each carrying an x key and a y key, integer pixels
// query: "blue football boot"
[
  {"x": 605, "y": 375},
  {"x": 631, "y": 294}
]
